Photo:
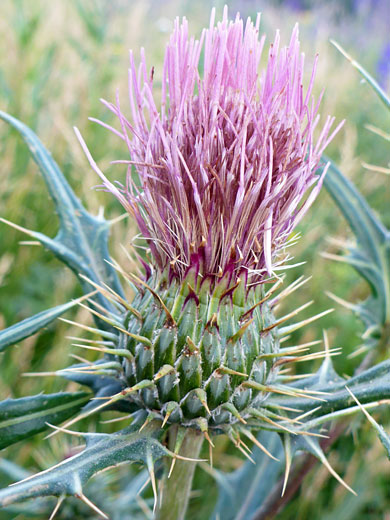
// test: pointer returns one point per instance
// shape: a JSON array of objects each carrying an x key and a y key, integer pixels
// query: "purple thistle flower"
[{"x": 225, "y": 163}]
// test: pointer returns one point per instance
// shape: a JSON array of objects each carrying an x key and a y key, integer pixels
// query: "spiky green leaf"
[
  {"x": 366, "y": 75},
  {"x": 369, "y": 386},
  {"x": 101, "y": 451},
  {"x": 30, "y": 326},
  {"x": 370, "y": 257},
  {"x": 24, "y": 417},
  {"x": 383, "y": 436},
  {"x": 242, "y": 492},
  {"x": 123, "y": 505},
  {"x": 81, "y": 242}
]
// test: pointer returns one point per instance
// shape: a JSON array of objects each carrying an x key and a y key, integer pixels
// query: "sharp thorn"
[
  {"x": 57, "y": 507},
  {"x": 142, "y": 339},
  {"x": 113, "y": 399},
  {"x": 19, "y": 228},
  {"x": 125, "y": 304},
  {"x": 233, "y": 410},
  {"x": 208, "y": 439},
  {"x": 29, "y": 243},
  {"x": 287, "y": 452},
  {"x": 165, "y": 420},
  {"x": 246, "y": 454},
  {"x": 297, "y": 284},
  {"x": 150, "y": 466},
  {"x": 156, "y": 296},
  {"x": 116, "y": 352},
  {"x": 171, "y": 468},
  {"x": 92, "y": 505},
  {"x": 118, "y": 219},
  {"x": 341, "y": 301},
  {"x": 306, "y": 414},
  {"x": 281, "y": 407},
  {"x": 202, "y": 396},
  {"x": 226, "y": 370},
  {"x": 116, "y": 419},
  {"x": 144, "y": 507},
  {"x": 91, "y": 341},
  {"x": 189, "y": 459},
  {"x": 240, "y": 331},
  {"x": 170, "y": 408},
  {"x": 64, "y": 430},
  {"x": 263, "y": 417},
  {"x": 102, "y": 333},
  {"x": 362, "y": 408},
  {"x": 101, "y": 316},
  {"x": 287, "y": 317},
  {"x": 39, "y": 374},
  {"x": 251, "y": 437},
  {"x": 98, "y": 306},
  {"x": 335, "y": 474},
  {"x": 107, "y": 294},
  {"x": 144, "y": 485},
  {"x": 151, "y": 416},
  {"x": 296, "y": 326},
  {"x": 82, "y": 360}
]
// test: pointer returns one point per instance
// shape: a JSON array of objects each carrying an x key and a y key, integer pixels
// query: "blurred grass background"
[{"x": 57, "y": 58}]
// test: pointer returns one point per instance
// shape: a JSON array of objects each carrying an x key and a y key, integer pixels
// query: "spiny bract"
[{"x": 204, "y": 352}]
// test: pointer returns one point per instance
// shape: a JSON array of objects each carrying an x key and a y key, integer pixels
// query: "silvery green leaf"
[
  {"x": 121, "y": 505},
  {"x": 81, "y": 242},
  {"x": 30, "y": 326},
  {"x": 366, "y": 75},
  {"x": 244, "y": 490},
  {"x": 370, "y": 386},
  {"x": 383, "y": 436},
  {"x": 101, "y": 451},
  {"x": 370, "y": 257},
  {"x": 24, "y": 417}
]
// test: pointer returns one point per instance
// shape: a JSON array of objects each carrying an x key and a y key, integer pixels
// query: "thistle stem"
[{"x": 177, "y": 488}]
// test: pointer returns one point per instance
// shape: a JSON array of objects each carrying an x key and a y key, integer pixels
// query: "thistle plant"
[{"x": 219, "y": 174}]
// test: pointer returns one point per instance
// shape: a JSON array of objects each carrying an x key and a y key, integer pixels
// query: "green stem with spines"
[{"x": 177, "y": 488}]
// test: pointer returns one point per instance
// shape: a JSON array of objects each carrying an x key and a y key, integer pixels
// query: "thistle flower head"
[
  {"x": 226, "y": 170},
  {"x": 226, "y": 161}
]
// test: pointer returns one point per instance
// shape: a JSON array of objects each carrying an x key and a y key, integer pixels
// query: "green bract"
[{"x": 202, "y": 350}]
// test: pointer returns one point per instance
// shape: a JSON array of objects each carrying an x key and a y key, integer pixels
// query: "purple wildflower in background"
[
  {"x": 296, "y": 5},
  {"x": 225, "y": 163},
  {"x": 383, "y": 66}
]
